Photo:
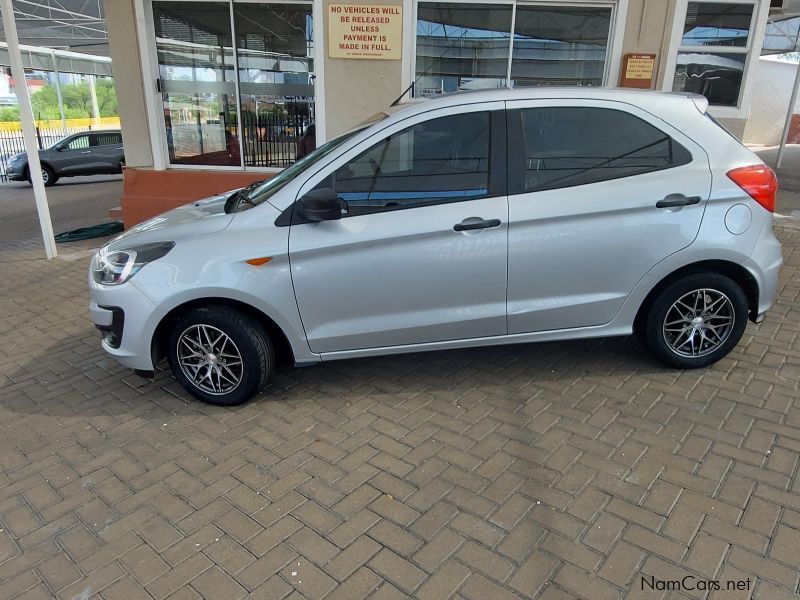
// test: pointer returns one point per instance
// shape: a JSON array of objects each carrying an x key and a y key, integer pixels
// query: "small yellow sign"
[
  {"x": 640, "y": 66},
  {"x": 366, "y": 31}
]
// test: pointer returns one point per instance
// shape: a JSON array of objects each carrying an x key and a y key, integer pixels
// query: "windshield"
[{"x": 263, "y": 190}]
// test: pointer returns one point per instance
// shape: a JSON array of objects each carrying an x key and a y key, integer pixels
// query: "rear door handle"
[
  {"x": 673, "y": 200},
  {"x": 476, "y": 223},
  {"x": 86, "y": 152}
]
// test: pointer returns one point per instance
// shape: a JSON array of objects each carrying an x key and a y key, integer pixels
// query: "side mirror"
[{"x": 323, "y": 204}]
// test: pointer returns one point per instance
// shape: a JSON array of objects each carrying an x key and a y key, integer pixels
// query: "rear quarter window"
[{"x": 567, "y": 146}]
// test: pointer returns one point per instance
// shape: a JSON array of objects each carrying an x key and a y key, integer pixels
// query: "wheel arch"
[
  {"x": 283, "y": 349},
  {"x": 734, "y": 271},
  {"x": 43, "y": 163}
]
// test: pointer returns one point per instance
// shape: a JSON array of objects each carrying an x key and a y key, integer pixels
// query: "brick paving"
[{"x": 539, "y": 471}]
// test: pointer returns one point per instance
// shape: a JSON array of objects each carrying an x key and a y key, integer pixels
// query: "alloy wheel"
[
  {"x": 209, "y": 359},
  {"x": 45, "y": 176},
  {"x": 698, "y": 323}
]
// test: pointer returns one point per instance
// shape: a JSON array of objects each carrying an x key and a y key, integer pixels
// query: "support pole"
[
  {"x": 95, "y": 109},
  {"x": 788, "y": 123},
  {"x": 57, "y": 76},
  {"x": 28, "y": 129}
]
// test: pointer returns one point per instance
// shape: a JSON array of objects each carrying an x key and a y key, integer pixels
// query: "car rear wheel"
[
  {"x": 696, "y": 320},
  {"x": 48, "y": 177},
  {"x": 219, "y": 355}
]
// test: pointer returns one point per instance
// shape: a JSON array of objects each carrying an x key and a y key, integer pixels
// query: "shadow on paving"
[{"x": 80, "y": 384}]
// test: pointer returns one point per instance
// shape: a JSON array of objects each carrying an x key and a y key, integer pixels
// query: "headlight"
[
  {"x": 117, "y": 266},
  {"x": 16, "y": 157}
]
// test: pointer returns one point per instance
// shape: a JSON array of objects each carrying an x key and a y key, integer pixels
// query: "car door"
[
  {"x": 72, "y": 155},
  {"x": 106, "y": 147},
  {"x": 421, "y": 253},
  {"x": 599, "y": 192}
]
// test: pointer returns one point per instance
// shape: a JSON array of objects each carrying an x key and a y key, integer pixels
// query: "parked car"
[
  {"x": 473, "y": 219},
  {"x": 87, "y": 153}
]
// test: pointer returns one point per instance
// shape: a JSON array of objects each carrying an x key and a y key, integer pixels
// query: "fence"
[
  {"x": 271, "y": 140},
  {"x": 11, "y": 142}
]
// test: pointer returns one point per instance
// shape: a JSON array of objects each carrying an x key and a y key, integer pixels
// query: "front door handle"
[
  {"x": 673, "y": 200},
  {"x": 86, "y": 152},
  {"x": 476, "y": 223}
]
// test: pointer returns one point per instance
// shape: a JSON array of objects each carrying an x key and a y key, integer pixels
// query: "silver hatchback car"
[{"x": 483, "y": 218}]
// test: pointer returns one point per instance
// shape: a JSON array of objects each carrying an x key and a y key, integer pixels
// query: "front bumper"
[
  {"x": 124, "y": 316},
  {"x": 110, "y": 321},
  {"x": 16, "y": 172}
]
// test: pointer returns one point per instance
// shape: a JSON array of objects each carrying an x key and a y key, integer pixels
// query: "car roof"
[
  {"x": 643, "y": 98},
  {"x": 88, "y": 131}
]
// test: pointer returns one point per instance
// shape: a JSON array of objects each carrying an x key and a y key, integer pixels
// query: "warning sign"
[
  {"x": 365, "y": 31},
  {"x": 637, "y": 70}
]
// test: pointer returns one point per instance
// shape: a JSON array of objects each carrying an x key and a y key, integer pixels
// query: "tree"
[
  {"x": 77, "y": 102},
  {"x": 106, "y": 98},
  {"x": 9, "y": 113},
  {"x": 45, "y": 103}
]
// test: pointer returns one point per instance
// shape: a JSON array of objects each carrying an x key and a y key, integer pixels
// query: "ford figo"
[{"x": 496, "y": 217}]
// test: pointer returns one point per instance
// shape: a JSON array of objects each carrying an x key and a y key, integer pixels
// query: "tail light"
[{"x": 759, "y": 181}]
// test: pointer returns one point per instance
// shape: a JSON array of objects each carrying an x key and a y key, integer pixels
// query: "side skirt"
[{"x": 517, "y": 338}]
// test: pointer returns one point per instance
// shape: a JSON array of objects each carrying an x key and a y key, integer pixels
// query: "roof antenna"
[{"x": 405, "y": 91}]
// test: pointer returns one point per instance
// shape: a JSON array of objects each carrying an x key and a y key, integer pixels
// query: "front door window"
[
  {"x": 438, "y": 161},
  {"x": 78, "y": 143}
]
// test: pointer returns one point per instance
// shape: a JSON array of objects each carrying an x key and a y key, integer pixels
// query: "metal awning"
[
  {"x": 46, "y": 59},
  {"x": 76, "y": 25}
]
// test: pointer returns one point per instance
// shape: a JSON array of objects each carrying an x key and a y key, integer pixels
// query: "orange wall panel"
[{"x": 147, "y": 193}]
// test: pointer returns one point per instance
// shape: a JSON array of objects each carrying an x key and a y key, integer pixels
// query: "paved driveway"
[
  {"x": 74, "y": 202},
  {"x": 549, "y": 471}
]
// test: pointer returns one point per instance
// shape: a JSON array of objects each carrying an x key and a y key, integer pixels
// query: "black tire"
[
  {"x": 249, "y": 340},
  {"x": 706, "y": 286},
  {"x": 47, "y": 174}
]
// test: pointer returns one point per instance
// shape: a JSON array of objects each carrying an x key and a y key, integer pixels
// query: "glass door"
[
  {"x": 275, "y": 49},
  {"x": 197, "y": 82},
  {"x": 236, "y": 81}
]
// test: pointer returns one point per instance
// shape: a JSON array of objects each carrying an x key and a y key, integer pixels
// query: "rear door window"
[
  {"x": 561, "y": 147},
  {"x": 106, "y": 139}
]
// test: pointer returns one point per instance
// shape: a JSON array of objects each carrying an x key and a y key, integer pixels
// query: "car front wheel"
[
  {"x": 696, "y": 320},
  {"x": 48, "y": 177},
  {"x": 219, "y": 355}
]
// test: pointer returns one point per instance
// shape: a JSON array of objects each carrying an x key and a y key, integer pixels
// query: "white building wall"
[{"x": 771, "y": 92}]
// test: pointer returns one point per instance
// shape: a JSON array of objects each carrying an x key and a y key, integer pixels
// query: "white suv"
[{"x": 483, "y": 218}]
